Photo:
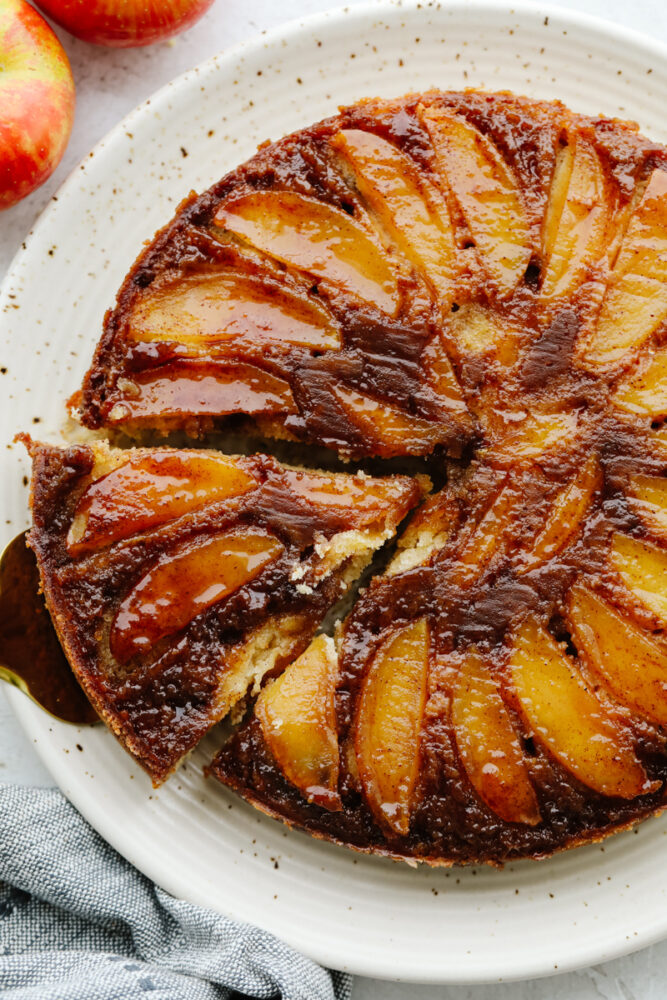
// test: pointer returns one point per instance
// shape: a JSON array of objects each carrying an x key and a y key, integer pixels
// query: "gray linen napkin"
[{"x": 78, "y": 922}]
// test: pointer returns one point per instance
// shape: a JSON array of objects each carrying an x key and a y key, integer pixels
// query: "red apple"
[
  {"x": 125, "y": 23},
  {"x": 36, "y": 101}
]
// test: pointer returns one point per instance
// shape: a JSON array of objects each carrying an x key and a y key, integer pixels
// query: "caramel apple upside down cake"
[{"x": 478, "y": 279}]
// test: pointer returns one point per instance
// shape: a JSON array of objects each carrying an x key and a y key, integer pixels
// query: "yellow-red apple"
[
  {"x": 36, "y": 98},
  {"x": 128, "y": 24}
]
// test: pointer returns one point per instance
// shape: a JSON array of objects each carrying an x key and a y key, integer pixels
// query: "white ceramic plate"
[{"x": 193, "y": 837}]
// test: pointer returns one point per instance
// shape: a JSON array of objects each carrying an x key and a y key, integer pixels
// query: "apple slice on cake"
[
  {"x": 388, "y": 724},
  {"x": 631, "y": 663},
  {"x": 564, "y": 714},
  {"x": 413, "y": 212},
  {"x": 635, "y": 303},
  {"x": 487, "y": 192},
  {"x": 576, "y": 221},
  {"x": 316, "y": 238},
  {"x": 297, "y": 716},
  {"x": 489, "y": 745},
  {"x": 642, "y": 567}
]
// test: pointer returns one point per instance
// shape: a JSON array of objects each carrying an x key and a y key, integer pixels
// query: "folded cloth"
[{"x": 78, "y": 922}]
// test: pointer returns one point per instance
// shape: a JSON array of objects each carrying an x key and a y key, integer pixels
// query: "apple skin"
[
  {"x": 36, "y": 98},
  {"x": 127, "y": 24}
]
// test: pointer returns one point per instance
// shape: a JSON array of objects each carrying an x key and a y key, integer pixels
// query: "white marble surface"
[{"x": 109, "y": 84}]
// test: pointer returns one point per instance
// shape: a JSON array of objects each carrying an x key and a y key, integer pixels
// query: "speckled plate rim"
[{"x": 391, "y": 962}]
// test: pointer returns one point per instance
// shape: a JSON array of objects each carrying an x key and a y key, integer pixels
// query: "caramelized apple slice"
[
  {"x": 360, "y": 500},
  {"x": 487, "y": 192},
  {"x": 389, "y": 722},
  {"x": 413, "y": 213},
  {"x": 212, "y": 310},
  {"x": 314, "y": 237},
  {"x": 180, "y": 389},
  {"x": 440, "y": 376},
  {"x": 298, "y": 719},
  {"x": 645, "y": 391},
  {"x": 576, "y": 220},
  {"x": 557, "y": 201},
  {"x": 567, "y": 718},
  {"x": 632, "y": 666},
  {"x": 396, "y": 432},
  {"x": 148, "y": 490},
  {"x": 643, "y": 569},
  {"x": 566, "y": 515},
  {"x": 490, "y": 536},
  {"x": 636, "y": 300},
  {"x": 185, "y": 582},
  {"x": 650, "y": 492},
  {"x": 489, "y": 746}
]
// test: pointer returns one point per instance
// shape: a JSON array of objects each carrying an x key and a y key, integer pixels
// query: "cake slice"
[{"x": 177, "y": 580}]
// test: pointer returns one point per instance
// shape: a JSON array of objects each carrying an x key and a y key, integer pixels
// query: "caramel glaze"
[
  {"x": 31, "y": 653},
  {"x": 381, "y": 355},
  {"x": 161, "y": 703},
  {"x": 449, "y": 822}
]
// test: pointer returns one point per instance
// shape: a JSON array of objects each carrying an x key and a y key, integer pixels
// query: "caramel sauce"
[
  {"x": 32, "y": 659},
  {"x": 147, "y": 491},
  {"x": 186, "y": 582},
  {"x": 181, "y": 388}
]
